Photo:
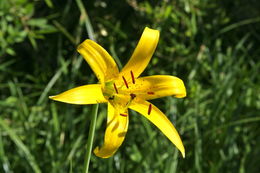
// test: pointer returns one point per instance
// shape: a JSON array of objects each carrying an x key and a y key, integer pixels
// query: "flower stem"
[{"x": 90, "y": 137}]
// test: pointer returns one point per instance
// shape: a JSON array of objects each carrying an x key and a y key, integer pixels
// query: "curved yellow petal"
[
  {"x": 153, "y": 114},
  {"x": 87, "y": 94},
  {"x": 99, "y": 60},
  {"x": 152, "y": 87},
  {"x": 142, "y": 53},
  {"x": 117, "y": 124}
]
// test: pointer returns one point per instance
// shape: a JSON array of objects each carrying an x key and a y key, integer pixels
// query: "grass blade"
[{"x": 21, "y": 146}]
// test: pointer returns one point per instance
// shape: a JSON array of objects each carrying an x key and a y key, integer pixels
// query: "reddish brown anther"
[
  {"x": 149, "y": 109},
  {"x": 124, "y": 115},
  {"x": 133, "y": 78},
  {"x": 132, "y": 96},
  {"x": 126, "y": 84},
  {"x": 115, "y": 88}
]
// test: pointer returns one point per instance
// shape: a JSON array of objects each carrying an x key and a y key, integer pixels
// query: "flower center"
[{"x": 119, "y": 92}]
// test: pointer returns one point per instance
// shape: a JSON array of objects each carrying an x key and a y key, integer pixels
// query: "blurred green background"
[{"x": 213, "y": 45}]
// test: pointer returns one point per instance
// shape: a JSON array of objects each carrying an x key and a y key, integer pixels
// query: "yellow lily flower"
[{"x": 125, "y": 89}]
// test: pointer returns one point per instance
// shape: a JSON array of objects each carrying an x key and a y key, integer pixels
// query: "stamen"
[
  {"x": 124, "y": 115},
  {"x": 111, "y": 98},
  {"x": 115, "y": 88},
  {"x": 149, "y": 109},
  {"x": 133, "y": 78},
  {"x": 150, "y": 93},
  {"x": 126, "y": 84},
  {"x": 132, "y": 96}
]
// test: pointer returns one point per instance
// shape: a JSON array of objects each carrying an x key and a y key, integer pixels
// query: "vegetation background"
[{"x": 213, "y": 45}]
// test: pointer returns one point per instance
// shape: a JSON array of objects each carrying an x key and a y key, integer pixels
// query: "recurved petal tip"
[
  {"x": 55, "y": 97},
  {"x": 181, "y": 148},
  {"x": 51, "y": 97},
  {"x": 103, "y": 153},
  {"x": 183, "y": 154}
]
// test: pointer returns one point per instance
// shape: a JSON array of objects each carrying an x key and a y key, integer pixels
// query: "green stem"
[{"x": 90, "y": 137}]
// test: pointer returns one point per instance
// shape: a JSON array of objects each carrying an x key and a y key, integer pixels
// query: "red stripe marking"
[
  {"x": 124, "y": 115},
  {"x": 115, "y": 88},
  {"x": 126, "y": 84},
  {"x": 149, "y": 109},
  {"x": 133, "y": 78},
  {"x": 150, "y": 93}
]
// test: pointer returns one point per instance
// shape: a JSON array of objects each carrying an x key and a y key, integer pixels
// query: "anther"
[
  {"x": 132, "y": 96},
  {"x": 124, "y": 115},
  {"x": 115, "y": 88},
  {"x": 126, "y": 84},
  {"x": 111, "y": 98},
  {"x": 150, "y": 93},
  {"x": 149, "y": 109},
  {"x": 133, "y": 78}
]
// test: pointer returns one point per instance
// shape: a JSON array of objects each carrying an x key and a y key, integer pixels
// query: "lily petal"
[
  {"x": 142, "y": 54},
  {"x": 99, "y": 60},
  {"x": 152, "y": 87},
  {"x": 87, "y": 94},
  {"x": 117, "y": 124},
  {"x": 153, "y": 114}
]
